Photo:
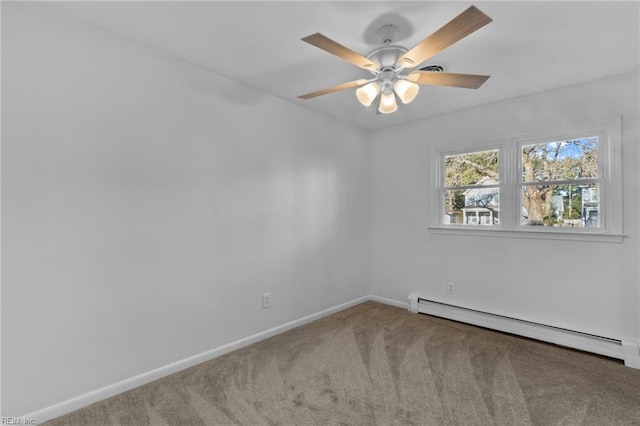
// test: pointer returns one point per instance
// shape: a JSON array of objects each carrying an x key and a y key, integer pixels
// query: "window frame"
[
  {"x": 442, "y": 188},
  {"x": 600, "y": 180},
  {"x": 609, "y": 132}
]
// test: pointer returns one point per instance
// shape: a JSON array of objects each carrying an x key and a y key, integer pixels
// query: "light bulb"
[
  {"x": 406, "y": 90},
  {"x": 366, "y": 94},
  {"x": 387, "y": 103}
]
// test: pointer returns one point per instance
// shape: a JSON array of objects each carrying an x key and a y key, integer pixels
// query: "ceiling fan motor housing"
[{"x": 387, "y": 56}]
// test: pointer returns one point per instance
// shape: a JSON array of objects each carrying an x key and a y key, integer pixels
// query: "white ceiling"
[{"x": 529, "y": 47}]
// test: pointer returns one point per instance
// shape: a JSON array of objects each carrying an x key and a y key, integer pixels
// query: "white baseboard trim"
[
  {"x": 386, "y": 301},
  {"x": 89, "y": 398},
  {"x": 625, "y": 350}
]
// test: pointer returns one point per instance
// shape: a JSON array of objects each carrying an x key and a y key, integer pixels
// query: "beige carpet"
[{"x": 379, "y": 365}]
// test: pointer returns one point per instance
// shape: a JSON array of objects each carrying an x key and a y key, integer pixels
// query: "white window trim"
[{"x": 609, "y": 131}]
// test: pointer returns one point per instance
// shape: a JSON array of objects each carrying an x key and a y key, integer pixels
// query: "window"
[
  {"x": 560, "y": 183},
  {"x": 563, "y": 185},
  {"x": 472, "y": 188}
]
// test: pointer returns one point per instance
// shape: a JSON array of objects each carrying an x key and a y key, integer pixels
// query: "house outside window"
[
  {"x": 471, "y": 188},
  {"x": 482, "y": 205}
]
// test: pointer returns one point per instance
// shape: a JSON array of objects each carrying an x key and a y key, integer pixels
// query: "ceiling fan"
[{"x": 391, "y": 65}]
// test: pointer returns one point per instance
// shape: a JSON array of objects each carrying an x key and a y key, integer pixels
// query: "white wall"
[
  {"x": 148, "y": 204},
  {"x": 585, "y": 286}
]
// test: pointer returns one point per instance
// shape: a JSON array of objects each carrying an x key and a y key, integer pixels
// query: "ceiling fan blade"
[
  {"x": 459, "y": 27},
  {"x": 467, "y": 81},
  {"x": 337, "y": 88},
  {"x": 325, "y": 43}
]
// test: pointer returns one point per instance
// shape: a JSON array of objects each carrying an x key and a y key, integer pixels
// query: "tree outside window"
[{"x": 560, "y": 183}]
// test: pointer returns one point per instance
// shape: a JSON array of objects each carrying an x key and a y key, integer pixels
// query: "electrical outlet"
[
  {"x": 450, "y": 288},
  {"x": 266, "y": 301}
]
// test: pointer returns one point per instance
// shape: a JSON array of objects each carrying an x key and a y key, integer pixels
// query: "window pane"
[
  {"x": 560, "y": 160},
  {"x": 576, "y": 206},
  {"x": 479, "y": 206},
  {"x": 475, "y": 168}
]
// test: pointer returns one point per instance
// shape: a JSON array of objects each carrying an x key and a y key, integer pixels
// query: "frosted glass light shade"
[
  {"x": 388, "y": 103},
  {"x": 367, "y": 93},
  {"x": 406, "y": 90}
]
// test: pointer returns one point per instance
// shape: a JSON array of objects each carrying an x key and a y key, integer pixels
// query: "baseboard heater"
[{"x": 560, "y": 336}]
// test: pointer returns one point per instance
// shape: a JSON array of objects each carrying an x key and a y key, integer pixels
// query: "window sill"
[{"x": 476, "y": 231}]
